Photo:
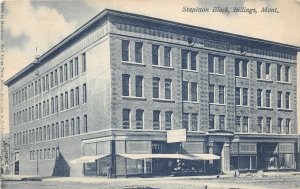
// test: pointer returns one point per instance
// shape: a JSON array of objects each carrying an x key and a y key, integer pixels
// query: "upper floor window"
[
  {"x": 167, "y": 56},
  {"x": 287, "y": 100},
  {"x": 268, "y": 98},
  {"x": 238, "y": 123},
  {"x": 245, "y": 97},
  {"x": 268, "y": 71},
  {"x": 211, "y": 121},
  {"x": 139, "y": 85},
  {"x": 279, "y": 67},
  {"x": 155, "y": 87},
  {"x": 76, "y": 67},
  {"x": 84, "y": 95},
  {"x": 55, "y": 78},
  {"x": 138, "y": 52},
  {"x": 185, "y": 121},
  {"x": 287, "y": 126},
  {"x": 139, "y": 118},
  {"x": 125, "y": 50},
  {"x": 222, "y": 94},
  {"x": 125, "y": 85},
  {"x": 259, "y": 97},
  {"x": 268, "y": 124},
  {"x": 279, "y": 125},
  {"x": 188, "y": 60},
  {"x": 259, "y": 70},
  {"x": 194, "y": 91},
  {"x": 156, "y": 119},
  {"x": 61, "y": 76},
  {"x": 168, "y": 89},
  {"x": 245, "y": 124},
  {"x": 185, "y": 91},
  {"x": 194, "y": 125},
  {"x": 211, "y": 93},
  {"x": 241, "y": 68},
  {"x": 216, "y": 64},
  {"x": 259, "y": 124},
  {"x": 76, "y": 96},
  {"x": 287, "y": 74},
  {"x": 155, "y": 54},
  {"x": 222, "y": 122},
  {"x": 85, "y": 124},
  {"x": 168, "y": 120},
  {"x": 279, "y": 99},
  {"x": 126, "y": 118},
  {"x": 83, "y": 56},
  {"x": 71, "y": 69},
  {"x": 66, "y": 72}
]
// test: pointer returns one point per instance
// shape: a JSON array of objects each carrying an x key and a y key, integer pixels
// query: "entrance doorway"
[{"x": 267, "y": 155}]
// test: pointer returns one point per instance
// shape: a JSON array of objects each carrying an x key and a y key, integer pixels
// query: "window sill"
[
  {"x": 194, "y": 102},
  {"x": 284, "y": 82},
  {"x": 265, "y": 80},
  {"x": 240, "y": 77},
  {"x": 284, "y": 109},
  {"x": 187, "y": 70},
  {"x": 163, "y": 100},
  {"x": 163, "y": 67},
  {"x": 133, "y": 98},
  {"x": 246, "y": 106},
  {"x": 264, "y": 108},
  {"x": 133, "y": 63},
  {"x": 218, "y": 104},
  {"x": 218, "y": 74}
]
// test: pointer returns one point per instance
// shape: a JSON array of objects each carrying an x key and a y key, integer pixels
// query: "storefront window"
[{"x": 286, "y": 161}]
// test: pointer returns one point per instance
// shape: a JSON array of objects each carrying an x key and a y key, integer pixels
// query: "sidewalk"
[{"x": 21, "y": 178}]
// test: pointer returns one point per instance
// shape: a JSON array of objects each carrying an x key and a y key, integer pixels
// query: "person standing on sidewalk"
[{"x": 108, "y": 171}]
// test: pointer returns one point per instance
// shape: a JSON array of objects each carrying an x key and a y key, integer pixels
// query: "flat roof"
[{"x": 106, "y": 12}]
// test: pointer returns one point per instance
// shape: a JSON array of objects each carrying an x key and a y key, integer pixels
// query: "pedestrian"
[{"x": 108, "y": 171}]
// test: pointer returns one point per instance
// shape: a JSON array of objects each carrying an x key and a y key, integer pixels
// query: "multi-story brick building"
[{"x": 108, "y": 92}]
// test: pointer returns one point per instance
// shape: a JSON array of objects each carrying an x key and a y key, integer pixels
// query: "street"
[{"x": 246, "y": 182}]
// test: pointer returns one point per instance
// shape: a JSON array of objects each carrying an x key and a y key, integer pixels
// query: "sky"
[{"x": 33, "y": 27}]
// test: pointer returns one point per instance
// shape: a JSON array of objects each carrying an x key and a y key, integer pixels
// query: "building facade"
[{"x": 107, "y": 94}]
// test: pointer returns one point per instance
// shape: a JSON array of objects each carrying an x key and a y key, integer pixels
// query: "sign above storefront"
[{"x": 176, "y": 135}]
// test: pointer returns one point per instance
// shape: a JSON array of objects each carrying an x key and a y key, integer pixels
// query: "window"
[
  {"x": 287, "y": 73},
  {"x": 71, "y": 69},
  {"x": 56, "y": 104},
  {"x": 52, "y": 131},
  {"x": 211, "y": 93},
  {"x": 222, "y": 122},
  {"x": 185, "y": 91},
  {"x": 72, "y": 97},
  {"x": 279, "y": 125},
  {"x": 222, "y": 94},
  {"x": 287, "y": 100},
  {"x": 259, "y": 124},
  {"x": 268, "y": 125},
  {"x": 259, "y": 97},
  {"x": 66, "y": 100},
  {"x": 66, "y": 72},
  {"x": 194, "y": 122},
  {"x": 211, "y": 121},
  {"x": 241, "y": 68},
  {"x": 258, "y": 72},
  {"x": 287, "y": 126},
  {"x": 279, "y": 67},
  {"x": 168, "y": 89},
  {"x": 125, "y": 50},
  {"x": 194, "y": 92},
  {"x": 55, "y": 78},
  {"x": 76, "y": 67},
  {"x": 268, "y": 71},
  {"x": 237, "y": 67},
  {"x": 125, "y": 85},
  {"x": 57, "y": 130},
  {"x": 138, "y": 52},
  {"x": 167, "y": 56},
  {"x": 43, "y": 85},
  {"x": 245, "y": 69},
  {"x": 84, "y": 93},
  {"x": 77, "y": 125},
  {"x": 268, "y": 98},
  {"x": 168, "y": 120},
  {"x": 193, "y": 61},
  {"x": 245, "y": 124},
  {"x": 238, "y": 123},
  {"x": 237, "y": 96},
  {"x": 156, "y": 119},
  {"x": 72, "y": 126},
  {"x": 245, "y": 96},
  {"x": 279, "y": 99},
  {"x": 83, "y": 56},
  {"x": 67, "y": 128},
  {"x": 185, "y": 121},
  {"x": 155, "y": 54},
  {"x": 155, "y": 87},
  {"x": 61, "y": 102},
  {"x": 48, "y": 132},
  {"x": 85, "y": 124},
  {"x": 139, "y": 86},
  {"x": 76, "y": 96},
  {"x": 221, "y": 65},
  {"x": 211, "y": 64},
  {"x": 61, "y": 76},
  {"x": 126, "y": 118},
  {"x": 139, "y": 118},
  {"x": 40, "y": 110},
  {"x": 184, "y": 59}
]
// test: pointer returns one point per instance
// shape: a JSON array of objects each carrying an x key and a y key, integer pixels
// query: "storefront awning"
[
  {"x": 159, "y": 156},
  {"x": 87, "y": 159},
  {"x": 13, "y": 161},
  {"x": 204, "y": 157}
]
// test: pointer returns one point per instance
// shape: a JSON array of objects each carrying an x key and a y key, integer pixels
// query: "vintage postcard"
[{"x": 148, "y": 94}]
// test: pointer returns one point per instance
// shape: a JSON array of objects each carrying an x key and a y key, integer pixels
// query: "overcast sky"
[{"x": 42, "y": 24}]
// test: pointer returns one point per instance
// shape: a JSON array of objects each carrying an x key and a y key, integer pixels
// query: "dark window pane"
[
  {"x": 125, "y": 50},
  {"x": 155, "y": 50},
  {"x": 185, "y": 91},
  {"x": 125, "y": 85},
  {"x": 184, "y": 59},
  {"x": 167, "y": 56},
  {"x": 139, "y": 52}
]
